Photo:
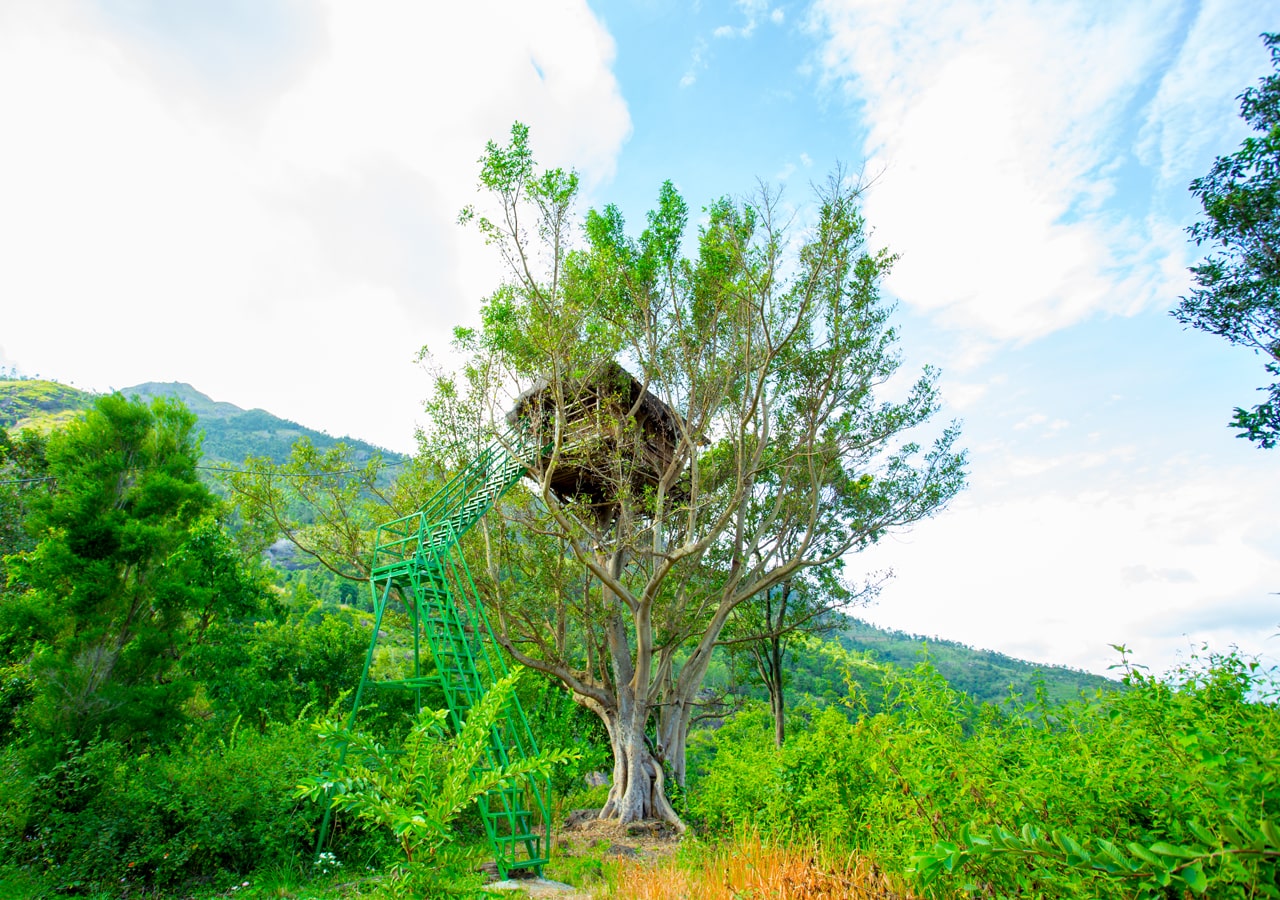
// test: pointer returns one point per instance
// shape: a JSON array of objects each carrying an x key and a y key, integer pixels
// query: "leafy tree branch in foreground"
[{"x": 1237, "y": 286}]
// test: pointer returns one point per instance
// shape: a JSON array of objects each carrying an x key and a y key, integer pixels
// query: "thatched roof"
[
  {"x": 608, "y": 378},
  {"x": 597, "y": 407}
]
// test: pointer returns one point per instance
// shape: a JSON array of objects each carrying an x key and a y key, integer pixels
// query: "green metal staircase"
[{"x": 418, "y": 559}]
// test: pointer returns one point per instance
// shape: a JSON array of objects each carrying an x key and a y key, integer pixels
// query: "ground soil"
[
  {"x": 649, "y": 839},
  {"x": 583, "y": 835}
]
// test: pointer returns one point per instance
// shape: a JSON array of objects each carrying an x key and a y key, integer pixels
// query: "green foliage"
[
  {"x": 108, "y": 816},
  {"x": 326, "y": 502},
  {"x": 1168, "y": 782},
  {"x": 416, "y": 791},
  {"x": 1237, "y": 292},
  {"x": 127, "y": 571},
  {"x": 557, "y": 721},
  {"x": 276, "y": 668},
  {"x": 23, "y": 476}
]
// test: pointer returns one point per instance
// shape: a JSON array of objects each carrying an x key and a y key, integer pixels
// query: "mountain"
[
  {"x": 230, "y": 432},
  {"x": 982, "y": 674}
]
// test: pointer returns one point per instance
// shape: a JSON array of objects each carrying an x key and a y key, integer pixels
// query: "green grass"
[
  {"x": 39, "y": 405},
  {"x": 276, "y": 883}
]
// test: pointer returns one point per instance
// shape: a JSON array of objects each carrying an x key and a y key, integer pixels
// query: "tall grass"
[{"x": 750, "y": 866}]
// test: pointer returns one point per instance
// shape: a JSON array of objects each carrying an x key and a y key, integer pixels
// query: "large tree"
[
  {"x": 784, "y": 454},
  {"x": 1237, "y": 286}
]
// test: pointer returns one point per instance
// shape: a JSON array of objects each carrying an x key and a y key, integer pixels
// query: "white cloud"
[
  {"x": 290, "y": 248},
  {"x": 697, "y": 64},
  {"x": 753, "y": 12},
  {"x": 1041, "y": 423},
  {"x": 961, "y": 395},
  {"x": 1160, "y": 565},
  {"x": 1004, "y": 132},
  {"x": 1192, "y": 117}
]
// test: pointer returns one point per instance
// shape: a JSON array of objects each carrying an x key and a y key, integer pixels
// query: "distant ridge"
[
  {"x": 983, "y": 674},
  {"x": 230, "y": 432},
  {"x": 201, "y": 404}
]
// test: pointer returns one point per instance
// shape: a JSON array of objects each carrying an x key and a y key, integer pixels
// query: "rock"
[
  {"x": 579, "y": 817},
  {"x": 533, "y": 887},
  {"x": 623, "y": 851}
]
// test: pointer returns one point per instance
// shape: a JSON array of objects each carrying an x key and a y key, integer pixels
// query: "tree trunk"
[
  {"x": 638, "y": 790},
  {"x": 779, "y": 713},
  {"x": 769, "y": 664}
]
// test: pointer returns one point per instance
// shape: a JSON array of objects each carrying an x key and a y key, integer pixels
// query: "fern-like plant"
[{"x": 418, "y": 789}]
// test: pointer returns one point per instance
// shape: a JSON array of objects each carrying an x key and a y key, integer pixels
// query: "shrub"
[
  {"x": 1178, "y": 773},
  {"x": 103, "y": 816}
]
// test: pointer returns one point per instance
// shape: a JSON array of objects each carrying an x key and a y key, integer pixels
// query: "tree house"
[{"x": 616, "y": 436}]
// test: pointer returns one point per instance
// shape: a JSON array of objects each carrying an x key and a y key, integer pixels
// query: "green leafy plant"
[
  {"x": 418, "y": 790},
  {"x": 1147, "y": 869},
  {"x": 1168, "y": 785},
  {"x": 1194, "y": 794}
]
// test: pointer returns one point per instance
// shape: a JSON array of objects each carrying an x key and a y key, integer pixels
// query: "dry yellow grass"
[{"x": 751, "y": 868}]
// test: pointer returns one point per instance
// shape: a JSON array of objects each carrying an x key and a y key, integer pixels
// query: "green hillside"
[
  {"x": 982, "y": 674},
  {"x": 39, "y": 405},
  {"x": 230, "y": 433}
]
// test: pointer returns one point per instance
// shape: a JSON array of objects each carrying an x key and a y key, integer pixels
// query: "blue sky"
[{"x": 259, "y": 198}]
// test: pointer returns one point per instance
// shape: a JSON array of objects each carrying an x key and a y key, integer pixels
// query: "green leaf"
[
  {"x": 1193, "y": 876},
  {"x": 1271, "y": 833},
  {"x": 1114, "y": 853},
  {"x": 1144, "y": 854},
  {"x": 1202, "y": 834},
  {"x": 1075, "y": 853},
  {"x": 1166, "y": 849}
]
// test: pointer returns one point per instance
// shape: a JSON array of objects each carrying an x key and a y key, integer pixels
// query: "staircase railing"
[{"x": 419, "y": 557}]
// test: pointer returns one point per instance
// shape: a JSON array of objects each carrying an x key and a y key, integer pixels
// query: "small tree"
[
  {"x": 128, "y": 569},
  {"x": 762, "y": 629},
  {"x": 1237, "y": 292},
  {"x": 782, "y": 456},
  {"x": 417, "y": 790}
]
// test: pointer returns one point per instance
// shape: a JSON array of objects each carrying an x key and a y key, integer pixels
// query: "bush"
[
  {"x": 1182, "y": 768},
  {"x": 103, "y": 816}
]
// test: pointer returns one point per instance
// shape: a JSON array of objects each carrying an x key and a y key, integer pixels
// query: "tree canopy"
[
  {"x": 1237, "y": 286},
  {"x": 770, "y": 348},
  {"x": 126, "y": 568}
]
